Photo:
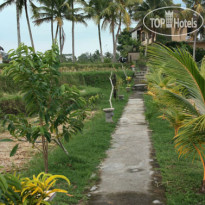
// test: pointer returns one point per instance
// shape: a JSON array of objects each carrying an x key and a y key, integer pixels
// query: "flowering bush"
[{"x": 129, "y": 79}]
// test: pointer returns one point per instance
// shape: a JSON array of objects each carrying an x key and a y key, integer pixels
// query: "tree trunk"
[
  {"x": 114, "y": 82},
  {"x": 60, "y": 40},
  {"x": 45, "y": 153},
  {"x": 28, "y": 22},
  {"x": 73, "y": 40},
  {"x": 100, "y": 41},
  {"x": 147, "y": 45},
  {"x": 116, "y": 38},
  {"x": 59, "y": 143},
  {"x": 52, "y": 32},
  {"x": 52, "y": 25},
  {"x": 202, "y": 161},
  {"x": 73, "y": 33},
  {"x": 18, "y": 25},
  {"x": 176, "y": 131},
  {"x": 194, "y": 47},
  {"x": 113, "y": 38},
  {"x": 56, "y": 33}
]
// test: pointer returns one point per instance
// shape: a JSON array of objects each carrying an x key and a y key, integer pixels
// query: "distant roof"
[{"x": 138, "y": 27}]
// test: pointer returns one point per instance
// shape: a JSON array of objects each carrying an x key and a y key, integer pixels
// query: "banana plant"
[{"x": 180, "y": 65}]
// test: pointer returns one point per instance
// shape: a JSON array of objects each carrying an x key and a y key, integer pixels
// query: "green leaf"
[
  {"x": 6, "y": 140},
  {"x": 14, "y": 150}
]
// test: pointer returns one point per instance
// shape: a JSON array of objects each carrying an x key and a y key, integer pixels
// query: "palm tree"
[
  {"x": 179, "y": 64},
  {"x": 199, "y": 7},
  {"x": 115, "y": 15},
  {"x": 76, "y": 17},
  {"x": 175, "y": 117},
  {"x": 28, "y": 21},
  {"x": 94, "y": 9},
  {"x": 19, "y": 6},
  {"x": 50, "y": 11},
  {"x": 45, "y": 13}
]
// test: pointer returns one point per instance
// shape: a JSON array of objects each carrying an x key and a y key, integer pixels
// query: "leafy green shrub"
[
  {"x": 59, "y": 109},
  {"x": 2, "y": 65},
  {"x": 7, "y": 85}
]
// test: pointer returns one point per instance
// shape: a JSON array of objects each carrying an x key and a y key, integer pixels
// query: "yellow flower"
[{"x": 128, "y": 79}]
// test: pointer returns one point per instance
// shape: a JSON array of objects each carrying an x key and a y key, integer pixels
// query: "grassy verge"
[
  {"x": 181, "y": 178},
  {"x": 87, "y": 150}
]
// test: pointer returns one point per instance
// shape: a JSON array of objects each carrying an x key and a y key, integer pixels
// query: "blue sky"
[{"x": 86, "y": 37}]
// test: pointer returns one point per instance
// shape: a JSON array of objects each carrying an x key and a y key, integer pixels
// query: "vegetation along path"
[{"x": 126, "y": 174}]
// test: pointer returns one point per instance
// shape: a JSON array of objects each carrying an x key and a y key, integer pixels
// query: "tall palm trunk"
[
  {"x": 194, "y": 47},
  {"x": 113, "y": 39},
  {"x": 60, "y": 40},
  {"x": 73, "y": 40},
  {"x": 18, "y": 24},
  {"x": 52, "y": 32},
  {"x": 57, "y": 32},
  {"x": 117, "y": 35},
  {"x": 52, "y": 23},
  {"x": 28, "y": 22},
  {"x": 100, "y": 42},
  {"x": 73, "y": 33}
]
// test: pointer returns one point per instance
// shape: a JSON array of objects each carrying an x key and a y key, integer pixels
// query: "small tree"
[{"x": 58, "y": 109}]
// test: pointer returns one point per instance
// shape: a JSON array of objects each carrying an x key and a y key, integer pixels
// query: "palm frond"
[{"x": 180, "y": 65}]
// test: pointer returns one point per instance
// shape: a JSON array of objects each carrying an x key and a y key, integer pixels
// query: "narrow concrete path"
[{"x": 126, "y": 173}]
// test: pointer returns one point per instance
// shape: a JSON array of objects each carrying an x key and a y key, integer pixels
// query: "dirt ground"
[
  {"x": 24, "y": 154},
  {"x": 25, "y": 151}
]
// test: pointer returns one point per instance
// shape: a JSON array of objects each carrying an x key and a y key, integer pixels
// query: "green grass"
[
  {"x": 87, "y": 150},
  {"x": 181, "y": 178},
  {"x": 88, "y": 91}
]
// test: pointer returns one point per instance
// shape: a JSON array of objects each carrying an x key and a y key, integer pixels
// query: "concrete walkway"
[{"x": 126, "y": 173}]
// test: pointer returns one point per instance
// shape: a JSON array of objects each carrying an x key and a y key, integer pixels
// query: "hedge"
[
  {"x": 80, "y": 67},
  {"x": 95, "y": 80}
]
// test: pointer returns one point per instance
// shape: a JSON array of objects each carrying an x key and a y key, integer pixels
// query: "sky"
[{"x": 86, "y": 38}]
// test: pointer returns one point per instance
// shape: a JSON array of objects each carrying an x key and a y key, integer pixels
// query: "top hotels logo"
[{"x": 168, "y": 18}]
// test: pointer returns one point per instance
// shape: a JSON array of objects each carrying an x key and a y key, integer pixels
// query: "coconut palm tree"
[
  {"x": 76, "y": 16},
  {"x": 199, "y": 7},
  {"x": 94, "y": 9},
  {"x": 179, "y": 64},
  {"x": 51, "y": 11},
  {"x": 25, "y": 4},
  {"x": 19, "y": 6},
  {"x": 115, "y": 15},
  {"x": 45, "y": 13}
]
